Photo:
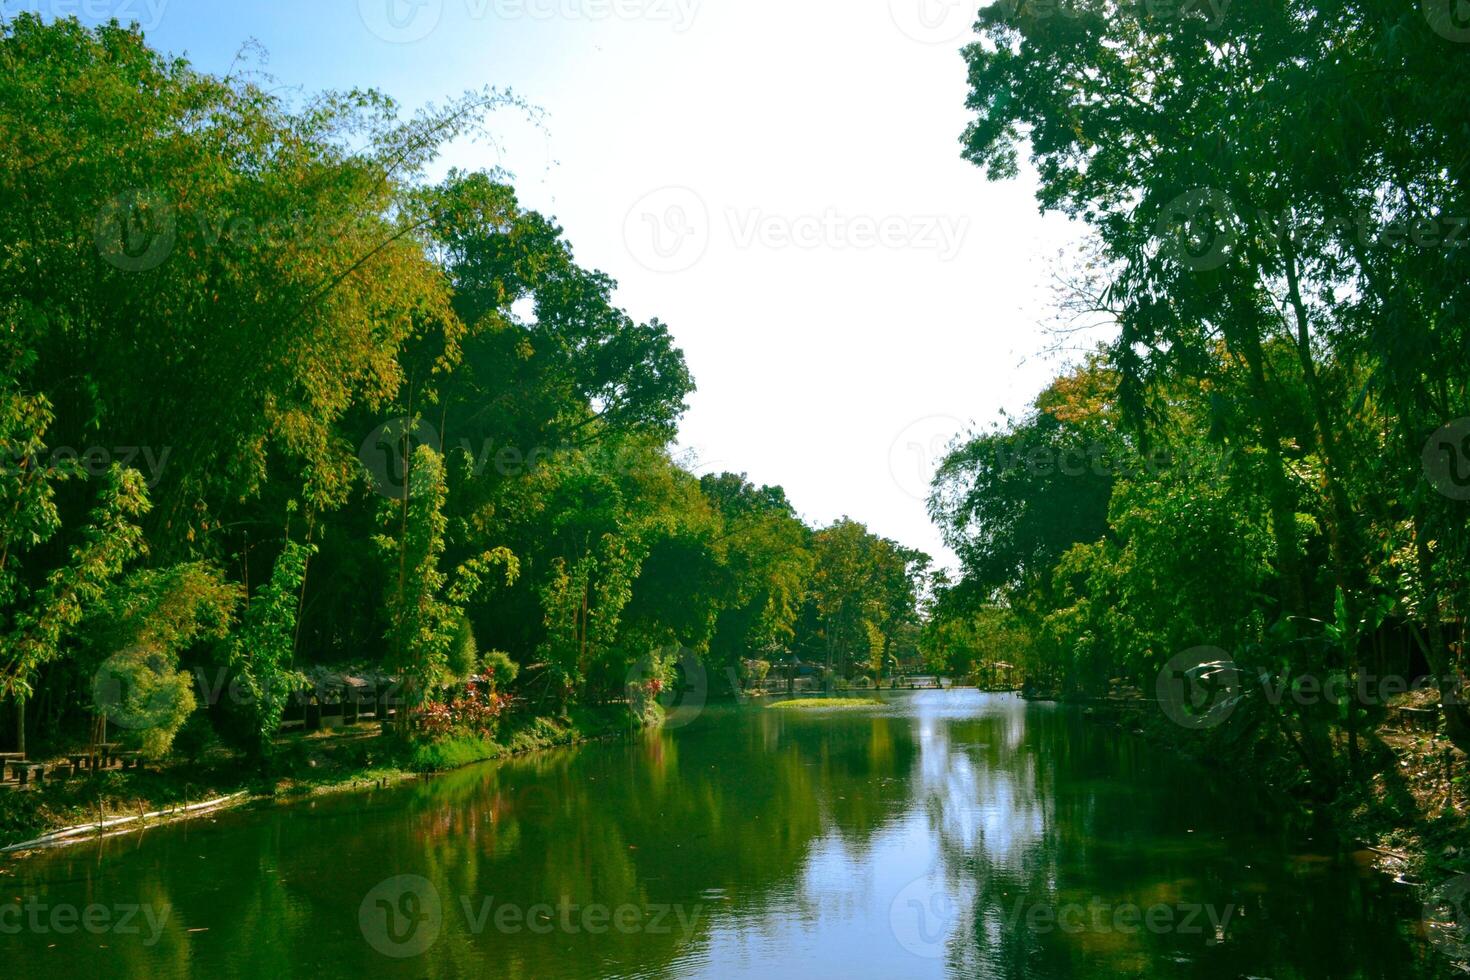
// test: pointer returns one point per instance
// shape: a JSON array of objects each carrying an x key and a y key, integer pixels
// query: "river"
[{"x": 945, "y": 834}]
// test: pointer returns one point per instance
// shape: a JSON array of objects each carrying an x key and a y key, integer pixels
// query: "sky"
[{"x": 779, "y": 181}]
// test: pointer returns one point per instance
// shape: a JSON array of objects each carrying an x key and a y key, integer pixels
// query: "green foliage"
[
  {"x": 260, "y": 654},
  {"x": 756, "y": 671},
  {"x": 960, "y": 641},
  {"x": 464, "y": 652},
  {"x": 451, "y": 398},
  {"x": 40, "y": 619},
  {"x": 168, "y": 608},
  {"x": 149, "y": 697},
  {"x": 195, "y": 738},
  {"x": 864, "y": 592},
  {"x": 499, "y": 669},
  {"x": 426, "y": 608},
  {"x": 1278, "y": 330}
]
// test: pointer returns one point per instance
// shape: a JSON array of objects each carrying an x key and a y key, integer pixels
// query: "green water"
[{"x": 946, "y": 834}]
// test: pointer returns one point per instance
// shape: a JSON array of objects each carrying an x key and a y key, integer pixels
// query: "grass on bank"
[
  {"x": 305, "y": 765},
  {"x": 801, "y": 703},
  {"x": 527, "y": 734}
]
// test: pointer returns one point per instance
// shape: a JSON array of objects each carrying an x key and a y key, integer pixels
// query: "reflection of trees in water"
[
  {"x": 1037, "y": 807},
  {"x": 724, "y": 815},
  {"x": 741, "y": 814}
]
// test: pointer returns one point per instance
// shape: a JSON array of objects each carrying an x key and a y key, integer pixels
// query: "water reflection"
[{"x": 946, "y": 834}]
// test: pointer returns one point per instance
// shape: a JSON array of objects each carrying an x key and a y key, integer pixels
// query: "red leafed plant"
[{"x": 475, "y": 711}]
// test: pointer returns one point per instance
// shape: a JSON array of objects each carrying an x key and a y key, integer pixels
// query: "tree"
[
  {"x": 261, "y": 652},
  {"x": 864, "y": 589},
  {"x": 427, "y": 606},
  {"x": 1177, "y": 139}
]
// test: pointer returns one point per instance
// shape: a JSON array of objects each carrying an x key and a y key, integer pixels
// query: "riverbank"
[
  {"x": 1408, "y": 814},
  {"x": 340, "y": 760}
]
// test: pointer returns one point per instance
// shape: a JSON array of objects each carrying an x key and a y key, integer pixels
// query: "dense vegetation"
[
  {"x": 271, "y": 399},
  {"x": 1270, "y": 456}
]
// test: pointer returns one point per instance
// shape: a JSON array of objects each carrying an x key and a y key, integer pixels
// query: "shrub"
[
  {"x": 196, "y": 737},
  {"x": 472, "y": 714},
  {"x": 144, "y": 693},
  {"x": 463, "y": 657},
  {"x": 499, "y": 670}
]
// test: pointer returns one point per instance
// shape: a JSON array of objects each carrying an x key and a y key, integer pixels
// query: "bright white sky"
[{"x": 778, "y": 180}]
